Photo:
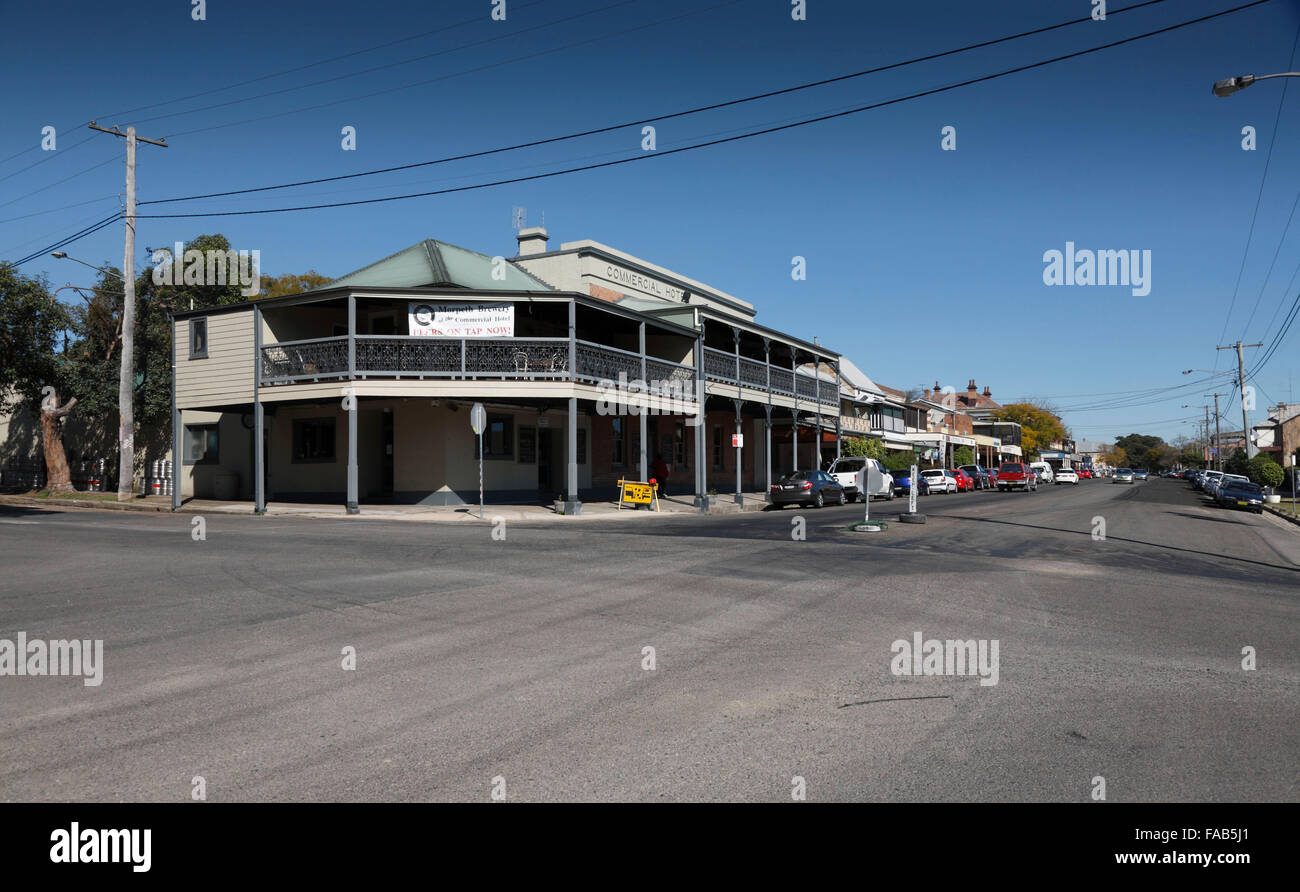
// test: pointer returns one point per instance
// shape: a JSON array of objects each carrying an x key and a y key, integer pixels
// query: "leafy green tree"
[
  {"x": 1039, "y": 426},
  {"x": 289, "y": 283},
  {"x": 963, "y": 456},
  {"x": 869, "y": 447},
  {"x": 1263, "y": 470},
  {"x": 1237, "y": 463},
  {"x": 1136, "y": 446},
  {"x": 33, "y": 371},
  {"x": 900, "y": 460}
]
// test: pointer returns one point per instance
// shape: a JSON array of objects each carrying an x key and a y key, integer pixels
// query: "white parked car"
[
  {"x": 940, "y": 480},
  {"x": 849, "y": 471},
  {"x": 1217, "y": 483},
  {"x": 1067, "y": 475},
  {"x": 1043, "y": 470}
]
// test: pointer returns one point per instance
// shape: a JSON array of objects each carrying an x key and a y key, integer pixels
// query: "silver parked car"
[{"x": 1123, "y": 475}]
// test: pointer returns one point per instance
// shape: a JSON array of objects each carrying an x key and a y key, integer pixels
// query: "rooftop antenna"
[{"x": 518, "y": 217}]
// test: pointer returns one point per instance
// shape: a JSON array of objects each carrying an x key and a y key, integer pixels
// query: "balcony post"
[
  {"x": 259, "y": 422},
  {"x": 839, "y": 427},
  {"x": 701, "y": 501},
  {"x": 573, "y": 341},
  {"x": 352, "y": 337},
  {"x": 645, "y": 422},
  {"x": 740, "y": 454},
  {"x": 794, "y": 413},
  {"x": 735, "y": 337},
  {"x": 767, "y": 451},
  {"x": 571, "y": 504},
  {"x": 352, "y": 504}
]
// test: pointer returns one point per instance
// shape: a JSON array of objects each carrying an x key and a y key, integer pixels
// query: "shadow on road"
[{"x": 1109, "y": 538}]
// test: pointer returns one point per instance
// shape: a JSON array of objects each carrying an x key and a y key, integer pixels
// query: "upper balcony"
[{"x": 469, "y": 359}]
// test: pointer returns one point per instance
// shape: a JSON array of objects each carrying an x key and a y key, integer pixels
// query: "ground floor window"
[
  {"x": 313, "y": 440},
  {"x": 499, "y": 437},
  {"x": 679, "y": 445},
  {"x": 617, "y": 456},
  {"x": 527, "y": 445},
  {"x": 582, "y": 446},
  {"x": 202, "y": 444},
  {"x": 717, "y": 448}
]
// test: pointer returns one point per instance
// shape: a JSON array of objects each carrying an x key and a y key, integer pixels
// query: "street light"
[
  {"x": 1230, "y": 85},
  {"x": 61, "y": 255}
]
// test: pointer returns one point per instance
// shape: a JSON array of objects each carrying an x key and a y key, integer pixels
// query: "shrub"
[
  {"x": 869, "y": 447},
  {"x": 1263, "y": 470}
]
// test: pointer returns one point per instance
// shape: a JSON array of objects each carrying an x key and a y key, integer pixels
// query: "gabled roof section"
[
  {"x": 858, "y": 380},
  {"x": 432, "y": 263}
]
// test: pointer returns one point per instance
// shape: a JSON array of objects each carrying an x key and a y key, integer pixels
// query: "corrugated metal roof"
[{"x": 435, "y": 263}]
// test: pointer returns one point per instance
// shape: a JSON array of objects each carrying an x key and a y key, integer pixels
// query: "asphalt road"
[{"x": 523, "y": 659}]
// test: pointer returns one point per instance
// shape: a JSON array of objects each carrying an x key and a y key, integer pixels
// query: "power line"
[
  {"x": 76, "y": 236},
  {"x": 387, "y": 65},
  {"x": 476, "y": 19},
  {"x": 63, "y": 208},
  {"x": 475, "y": 70},
  {"x": 709, "y": 143},
  {"x": 666, "y": 117},
  {"x": 1268, "y": 160},
  {"x": 259, "y": 78},
  {"x": 59, "y": 182}
]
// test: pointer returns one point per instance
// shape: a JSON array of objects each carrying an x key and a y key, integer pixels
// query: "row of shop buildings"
[{"x": 593, "y": 366}]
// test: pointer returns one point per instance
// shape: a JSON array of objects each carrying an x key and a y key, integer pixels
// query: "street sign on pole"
[
  {"x": 913, "y": 485},
  {"x": 477, "y": 422}
]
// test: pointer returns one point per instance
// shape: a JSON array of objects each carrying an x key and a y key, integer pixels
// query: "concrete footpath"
[{"x": 669, "y": 506}]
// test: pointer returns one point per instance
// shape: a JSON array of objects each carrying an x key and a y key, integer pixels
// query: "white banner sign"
[{"x": 462, "y": 320}]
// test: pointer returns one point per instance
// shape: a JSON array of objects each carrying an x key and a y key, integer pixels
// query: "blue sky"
[{"x": 1121, "y": 149}]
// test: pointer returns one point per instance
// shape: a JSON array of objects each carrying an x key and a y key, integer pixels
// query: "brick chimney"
[
  {"x": 986, "y": 391},
  {"x": 532, "y": 240},
  {"x": 971, "y": 390}
]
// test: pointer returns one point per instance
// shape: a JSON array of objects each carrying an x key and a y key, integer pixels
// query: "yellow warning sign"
[{"x": 634, "y": 492}]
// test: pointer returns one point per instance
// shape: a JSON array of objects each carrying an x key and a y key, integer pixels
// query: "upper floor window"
[{"x": 199, "y": 338}]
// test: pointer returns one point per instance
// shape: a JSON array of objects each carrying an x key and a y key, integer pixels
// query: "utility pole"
[
  {"x": 1241, "y": 387},
  {"x": 126, "y": 378},
  {"x": 1218, "y": 437}
]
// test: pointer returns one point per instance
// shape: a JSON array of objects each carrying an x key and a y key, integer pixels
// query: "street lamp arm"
[{"x": 1230, "y": 85}]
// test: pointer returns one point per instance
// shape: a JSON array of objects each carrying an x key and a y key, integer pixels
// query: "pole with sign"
[
  {"x": 865, "y": 489},
  {"x": 913, "y": 486},
  {"x": 478, "y": 421}
]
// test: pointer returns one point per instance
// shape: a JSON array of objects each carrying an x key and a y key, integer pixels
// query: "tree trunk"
[{"x": 57, "y": 477}]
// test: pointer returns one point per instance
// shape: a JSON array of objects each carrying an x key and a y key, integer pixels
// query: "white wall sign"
[{"x": 471, "y": 320}]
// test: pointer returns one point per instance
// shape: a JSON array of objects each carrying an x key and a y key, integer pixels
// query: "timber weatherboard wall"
[{"x": 225, "y": 377}]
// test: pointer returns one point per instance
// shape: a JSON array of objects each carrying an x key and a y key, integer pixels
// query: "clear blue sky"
[{"x": 1122, "y": 149}]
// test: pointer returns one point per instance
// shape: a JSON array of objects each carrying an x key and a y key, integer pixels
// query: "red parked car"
[
  {"x": 965, "y": 482},
  {"x": 1016, "y": 475},
  {"x": 1084, "y": 473}
]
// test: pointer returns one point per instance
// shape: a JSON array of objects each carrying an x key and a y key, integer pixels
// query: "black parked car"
[
  {"x": 979, "y": 474},
  {"x": 815, "y": 488}
]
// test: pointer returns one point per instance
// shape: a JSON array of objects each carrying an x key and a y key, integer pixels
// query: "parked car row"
[
  {"x": 1228, "y": 490},
  {"x": 853, "y": 477}
]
